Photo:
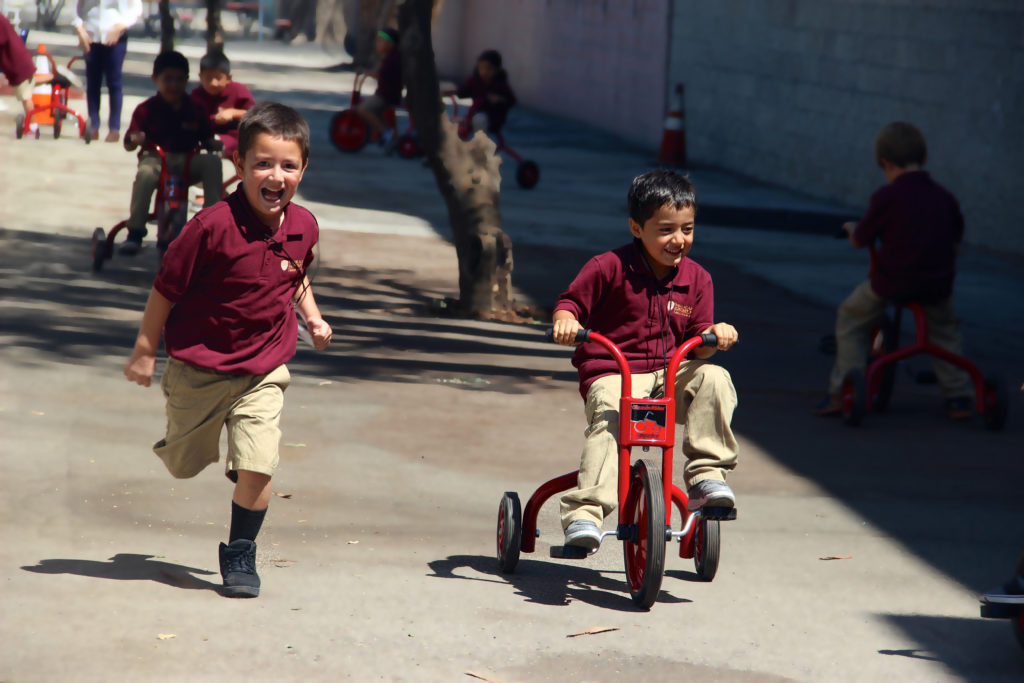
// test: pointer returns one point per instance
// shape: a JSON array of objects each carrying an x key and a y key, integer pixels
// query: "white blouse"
[{"x": 99, "y": 16}]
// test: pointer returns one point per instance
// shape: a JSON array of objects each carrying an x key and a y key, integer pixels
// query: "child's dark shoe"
[
  {"x": 960, "y": 408},
  {"x": 238, "y": 567},
  {"x": 828, "y": 407},
  {"x": 132, "y": 244}
]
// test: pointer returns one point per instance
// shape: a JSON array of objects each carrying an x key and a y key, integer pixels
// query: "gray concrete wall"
[
  {"x": 598, "y": 61},
  {"x": 793, "y": 92}
]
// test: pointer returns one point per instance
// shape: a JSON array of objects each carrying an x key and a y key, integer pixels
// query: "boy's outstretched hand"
[
  {"x": 140, "y": 368},
  {"x": 727, "y": 336},
  {"x": 320, "y": 331}
]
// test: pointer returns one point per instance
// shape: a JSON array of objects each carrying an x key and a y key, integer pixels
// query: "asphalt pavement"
[{"x": 377, "y": 556}]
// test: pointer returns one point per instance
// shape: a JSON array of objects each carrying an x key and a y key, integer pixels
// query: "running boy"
[
  {"x": 223, "y": 100},
  {"x": 223, "y": 301},
  {"x": 168, "y": 119},
  {"x": 918, "y": 226},
  {"x": 648, "y": 297}
]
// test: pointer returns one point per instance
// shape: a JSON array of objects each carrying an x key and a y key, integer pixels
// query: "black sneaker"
[
  {"x": 133, "y": 243},
  {"x": 238, "y": 567}
]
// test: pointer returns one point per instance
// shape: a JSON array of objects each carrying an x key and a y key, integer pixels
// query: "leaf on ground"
[
  {"x": 38, "y": 412},
  {"x": 282, "y": 495},
  {"x": 295, "y": 445},
  {"x": 166, "y": 636},
  {"x": 353, "y": 542},
  {"x": 325, "y": 383},
  {"x": 592, "y": 630},
  {"x": 483, "y": 677},
  {"x": 836, "y": 557}
]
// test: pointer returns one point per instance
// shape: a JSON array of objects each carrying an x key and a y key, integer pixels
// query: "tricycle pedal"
[
  {"x": 569, "y": 552},
  {"x": 718, "y": 513},
  {"x": 999, "y": 610}
]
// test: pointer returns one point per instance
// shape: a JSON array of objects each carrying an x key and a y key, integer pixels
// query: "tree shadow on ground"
[
  {"x": 548, "y": 583},
  {"x": 130, "y": 567}
]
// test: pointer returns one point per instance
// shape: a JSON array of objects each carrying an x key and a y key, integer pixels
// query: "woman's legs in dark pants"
[{"x": 105, "y": 62}]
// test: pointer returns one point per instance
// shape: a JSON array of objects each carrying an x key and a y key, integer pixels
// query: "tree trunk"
[
  {"x": 214, "y": 27},
  {"x": 166, "y": 26},
  {"x": 467, "y": 174}
]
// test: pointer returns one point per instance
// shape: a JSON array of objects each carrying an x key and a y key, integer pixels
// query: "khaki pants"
[
  {"x": 856, "y": 319},
  {"x": 705, "y": 401},
  {"x": 205, "y": 168},
  {"x": 202, "y": 402}
]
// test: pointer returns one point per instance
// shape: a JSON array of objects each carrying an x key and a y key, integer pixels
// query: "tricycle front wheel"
[
  {"x": 706, "y": 548},
  {"x": 510, "y": 531},
  {"x": 644, "y": 547}
]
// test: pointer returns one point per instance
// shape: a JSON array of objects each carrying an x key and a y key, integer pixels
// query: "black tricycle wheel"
[
  {"x": 643, "y": 548},
  {"x": 997, "y": 403},
  {"x": 99, "y": 249},
  {"x": 884, "y": 341},
  {"x": 527, "y": 174},
  {"x": 706, "y": 547},
  {"x": 19, "y": 126},
  {"x": 510, "y": 531}
]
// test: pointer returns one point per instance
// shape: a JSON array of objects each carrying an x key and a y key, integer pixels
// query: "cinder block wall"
[
  {"x": 599, "y": 61},
  {"x": 793, "y": 92}
]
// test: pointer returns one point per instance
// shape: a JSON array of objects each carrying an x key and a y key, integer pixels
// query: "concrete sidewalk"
[{"x": 377, "y": 554}]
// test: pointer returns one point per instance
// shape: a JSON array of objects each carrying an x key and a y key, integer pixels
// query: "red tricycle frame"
[
  {"x": 58, "y": 108},
  {"x": 645, "y": 497}
]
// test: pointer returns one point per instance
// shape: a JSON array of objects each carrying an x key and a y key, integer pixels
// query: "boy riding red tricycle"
[{"x": 646, "y": 493}]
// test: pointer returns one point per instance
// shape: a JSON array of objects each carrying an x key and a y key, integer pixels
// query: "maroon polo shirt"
[
  {"x": 918, "y": 225},
  {"x": 16, "y": 61},
  {"x": 234, "y": 96},
  {"x": 232, "y": 285},
  {"x": 175, "y": 130},
  {"x": 617, "y": 295}
]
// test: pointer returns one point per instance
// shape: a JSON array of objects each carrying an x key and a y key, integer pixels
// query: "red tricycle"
[
  {"x": 646, "y": 494},
  {"x": 349, "y": 131},
  {"x": 170, "y": 208},
  {"x": 527, "y": 171},
  {"x": 872, "y": 389},
  {"x": 57, "y": 108}
]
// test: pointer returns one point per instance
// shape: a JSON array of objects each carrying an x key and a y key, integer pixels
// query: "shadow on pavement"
[
  {"x": 130, "y": 567},
  {"x": 549, "y": 583},
  {"x": 977, "y": 649}
]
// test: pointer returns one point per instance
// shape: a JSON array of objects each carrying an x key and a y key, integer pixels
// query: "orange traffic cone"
[
  {"x": 673, "y": 139},
  {"x": 41, "y": 94}
]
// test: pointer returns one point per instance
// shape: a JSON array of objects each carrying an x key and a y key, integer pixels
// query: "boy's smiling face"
[
  {"x": 214, "y": 80},
  {"x": 271, "y": 171},
  {"x": 666, "y": 237},
  {"x": 171, "y": 84}
]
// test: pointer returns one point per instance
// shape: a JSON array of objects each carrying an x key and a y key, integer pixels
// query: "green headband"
[{"x": 385, "y": 36}]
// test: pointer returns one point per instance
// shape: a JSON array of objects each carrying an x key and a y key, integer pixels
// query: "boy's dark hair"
[
  {"x": 654, "y": 189},
  {"x": 493, "y": 57},
  {"x": 276, "y": 119},
  {"x": 170, "y": 59},
  {"x": 215, "y": 60},
  {"x": 901, "y": 144}
]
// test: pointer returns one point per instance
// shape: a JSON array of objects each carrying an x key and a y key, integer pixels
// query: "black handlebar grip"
[
  {"x": 709, "y": 339},
  {"x": 581, "y": 336}
]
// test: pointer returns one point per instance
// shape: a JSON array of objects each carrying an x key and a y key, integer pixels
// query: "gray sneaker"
[
  {"x": 710, "y": 493},
  {"x": 1010, "y": 593},
  {"x": 583, "y": 533}
]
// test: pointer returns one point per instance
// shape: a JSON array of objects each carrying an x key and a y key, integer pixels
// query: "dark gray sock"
[{"x": 245, "y": 523}]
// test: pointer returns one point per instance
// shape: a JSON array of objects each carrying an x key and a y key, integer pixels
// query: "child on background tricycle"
[
  {"x": 168, "y": 119},
  {"x": 389, "y": 87},
  {"x": 918, "y": 227},
  {"x": 491, "y": 94},
  {"x": 223, "y": 99},
  {"x": 648, "y": 297}
]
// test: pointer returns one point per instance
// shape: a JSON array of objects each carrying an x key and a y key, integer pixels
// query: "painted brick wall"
[
  {"x": 599, "y": 61},
  {"x": 794, "y": 91}
]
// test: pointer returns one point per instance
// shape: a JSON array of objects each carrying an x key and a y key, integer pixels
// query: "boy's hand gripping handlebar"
[{"x": 583, "y": 336}]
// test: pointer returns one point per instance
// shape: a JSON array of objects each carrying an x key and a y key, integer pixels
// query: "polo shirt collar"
[
  {"x": 251, "y": 225},
  {"x": 637, "y": 264}
]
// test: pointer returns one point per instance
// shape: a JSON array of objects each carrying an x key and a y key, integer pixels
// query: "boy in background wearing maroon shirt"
[
  {"x": 223, "y": 302},
  {"x": 918, "y": 226},
  {"x": 648, "y": 297},
  {"x": 170, "y": 120},
  {"x": 224, "y": 100}
]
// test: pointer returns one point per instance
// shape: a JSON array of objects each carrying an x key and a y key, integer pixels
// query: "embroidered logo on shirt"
[
  {"x": 285, "y": 265},
  {"x": 680, "y": 310}
]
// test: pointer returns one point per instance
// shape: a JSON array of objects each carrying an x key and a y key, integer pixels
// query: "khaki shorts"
[
  {"x": 201, "y": 402},
  {"x": 23, "y": 91}
]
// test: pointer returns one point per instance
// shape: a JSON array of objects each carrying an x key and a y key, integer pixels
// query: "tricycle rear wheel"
[
  {"x": 853, "y": 398},
  {"x": 510, "y": 531},
  {"x": 997, "y": 403},
  {"x": 348, "y": 131},
  {"x": 99, "y": 249},
  {"x": 706, "y": 548},
  {"x": 644, "y": 547}
]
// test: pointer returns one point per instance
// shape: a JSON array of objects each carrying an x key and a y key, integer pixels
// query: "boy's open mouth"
[{"x": 271, "y": 195}]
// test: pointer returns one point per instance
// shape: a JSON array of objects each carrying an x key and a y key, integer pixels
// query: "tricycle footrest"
[
  {"x": 999, "y": 610},
  {"x": 718, "y": 513},
  {"x": 569, "y": 552}
]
